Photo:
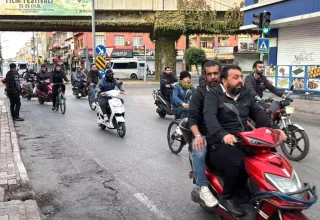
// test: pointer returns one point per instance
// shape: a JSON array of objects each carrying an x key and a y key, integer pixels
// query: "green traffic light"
[{"x": 266, "y": 29}]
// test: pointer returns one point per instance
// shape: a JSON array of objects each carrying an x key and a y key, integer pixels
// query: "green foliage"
[{"x": 194, "y": 56}]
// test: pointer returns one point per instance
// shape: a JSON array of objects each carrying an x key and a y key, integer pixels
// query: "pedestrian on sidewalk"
[{"x": 13, "y": 89}]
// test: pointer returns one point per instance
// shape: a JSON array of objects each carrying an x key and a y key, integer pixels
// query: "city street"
[{"x": 79, "y": 171}]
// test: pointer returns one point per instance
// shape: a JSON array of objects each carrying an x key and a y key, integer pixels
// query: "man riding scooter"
[
  {"x": 42, "y": 76},
  {"x": 256, "y": 82},
  {"x": 79, "y": 77},
  {"x": 106, "y": 84},
  {"x": 222, "y": 128},
  {"x": 30, "y": 76},
  {"x": 167, "y": 78}
]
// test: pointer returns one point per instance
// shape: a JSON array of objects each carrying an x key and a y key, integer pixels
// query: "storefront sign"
[
  {"x": 223, "y": 50},
  {"x": 122, "y": 53},
  {"x": 246, "y": 45},
  {"x": 46, "y": 7}
]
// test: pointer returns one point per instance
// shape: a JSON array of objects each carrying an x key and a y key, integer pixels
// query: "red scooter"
[
  {"x": 45, "y": 96},
  {"x": 273, "y": 187}
]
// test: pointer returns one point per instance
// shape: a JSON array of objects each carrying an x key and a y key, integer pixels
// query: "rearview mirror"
[{"x": 231, "y": 109}]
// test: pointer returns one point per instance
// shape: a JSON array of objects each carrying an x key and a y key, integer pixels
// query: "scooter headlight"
[
  {"x": 286, "y": 185},
  {"x": 289, "y": 110}
]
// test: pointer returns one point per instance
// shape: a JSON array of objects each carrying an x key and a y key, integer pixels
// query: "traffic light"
[
  {"x": 177, "y": 53},
  {"x": 257, "y": 20},
  {"x": 40, "y": 60},
  {"x": 265, "y": 23}
]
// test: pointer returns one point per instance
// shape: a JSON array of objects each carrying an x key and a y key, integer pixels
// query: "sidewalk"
[
  {"x": 16, "y": 193},
  {"x": 306, "y": 106}
]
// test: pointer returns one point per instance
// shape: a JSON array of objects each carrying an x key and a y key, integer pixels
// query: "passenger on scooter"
[
  {"x": 93, "y": 79},
  {"x": 211, "y": 74},
  {"x": 79, "y": 77},
  {"x": 167, "y": 78},
  {"x": 222, "y": 128},
  {"x": 42, "y": 75},
  {"x": 181, "y": 95},
  {"x": 256, "y": 82},
  {"x": 107, "y": 83},
  {"x": 57, "y": 76}
]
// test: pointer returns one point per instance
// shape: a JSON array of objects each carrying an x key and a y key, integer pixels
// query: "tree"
[{"x": 195, "y": 56}]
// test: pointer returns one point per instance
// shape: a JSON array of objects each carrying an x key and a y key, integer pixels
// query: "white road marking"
[{"x": 153, "y": 208}]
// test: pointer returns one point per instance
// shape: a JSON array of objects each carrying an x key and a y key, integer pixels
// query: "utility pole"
[
  {"x": 36, "y": 69},
  {"x": 93, "y": 32},
  {"x": 145, "y": 63},
  {"x": 1, "y": 61},
  {"x": 33, "y": 48}
]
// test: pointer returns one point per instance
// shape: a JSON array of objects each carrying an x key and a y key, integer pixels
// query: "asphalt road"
[{"x": 81, "y": 172}]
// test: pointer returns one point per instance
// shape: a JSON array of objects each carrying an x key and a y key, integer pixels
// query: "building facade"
[{"x": 293, "y": 57}]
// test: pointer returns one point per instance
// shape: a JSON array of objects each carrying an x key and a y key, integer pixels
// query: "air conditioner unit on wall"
[{"x": 127, "y": 42}]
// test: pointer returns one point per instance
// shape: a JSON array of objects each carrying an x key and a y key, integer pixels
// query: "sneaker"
[
  {"x": 18, "y": 119},
  {"x": 93, "y": 104},
  {"x": 207, "y": 197},
  {"x": 53, "y": 108}
]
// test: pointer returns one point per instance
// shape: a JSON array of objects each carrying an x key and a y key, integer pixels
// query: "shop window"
[
  {"x": 203, "y": 44},
  {"x": 137, "y": 41},
  {"x": 119, "y": 40},
  {"x": 100, "y": 40}
]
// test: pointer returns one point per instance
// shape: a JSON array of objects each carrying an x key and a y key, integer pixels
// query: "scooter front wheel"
[
  {"x": 121, "y": 129},
  {"x": 292, "y": 144}
]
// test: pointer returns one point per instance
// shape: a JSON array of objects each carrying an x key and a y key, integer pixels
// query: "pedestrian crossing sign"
[
  {"x": 101, "y": 62},
  {"x": 263, "y": 45}
]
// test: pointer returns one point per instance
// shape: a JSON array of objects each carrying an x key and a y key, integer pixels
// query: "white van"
[
  {"x": 126, "y": 68},
  {"x": 21, "y": 66}
]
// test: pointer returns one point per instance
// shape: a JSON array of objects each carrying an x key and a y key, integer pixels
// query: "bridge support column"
[{"x": 165, "y": 54}]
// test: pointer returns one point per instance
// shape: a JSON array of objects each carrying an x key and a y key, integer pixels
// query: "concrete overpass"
[{"x": 165, "y": 20}]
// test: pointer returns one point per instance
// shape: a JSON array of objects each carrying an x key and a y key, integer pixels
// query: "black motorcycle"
[
  {"x": 164, "y": 107},
  {"x": 78, "y": 93}
]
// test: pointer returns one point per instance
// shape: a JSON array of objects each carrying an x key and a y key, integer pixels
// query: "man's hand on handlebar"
[
  {"x": 229, "y": 139},
  {"x": 91, "y": 84},
  {"x": 185, "y": 105},
  {"x": 199, "y": 143},
  {"x": 283, "y": 135},
  {"x": 168, "y": 86}
]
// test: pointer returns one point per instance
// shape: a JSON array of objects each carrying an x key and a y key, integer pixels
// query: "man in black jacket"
[
  {"x": 41, "y": 77},
  {"x": 93, "y": 79},
  {"x": 13, "y": 89},
  {"x": 223, "y": 126},
  {"x": 256, "y": 82},
  {"x": 211, "y": 75},
  {"x": 167, "y": 78}
]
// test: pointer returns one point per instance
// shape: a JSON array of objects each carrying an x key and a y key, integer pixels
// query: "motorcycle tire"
[
  {"x": 103, "y": 127},
  {"x": 78, "y": 97},
  {"x": 304, "y": 152},
  {"x": 41, "y": 101},
  {"x": 29, "y": 97},
  {"x": 169, "y": 139}
]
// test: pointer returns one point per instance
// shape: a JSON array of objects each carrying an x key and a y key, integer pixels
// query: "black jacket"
[
  {"x": 93, "y": 77},
  {"x": 29, "y": 76},
  {"x": 12, "y": 82},
  {"x": 57, "y": 77},
  {"x": 220, "y": 121},
  {"x": 196, "y": 106},
  {"x": 257, "y": 86},
  {"x": 41, "y": 76},
  {"x": 164, "y": 80}
]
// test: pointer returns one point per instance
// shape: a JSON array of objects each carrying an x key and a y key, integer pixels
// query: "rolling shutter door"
[{"x": 299, "y": 45}]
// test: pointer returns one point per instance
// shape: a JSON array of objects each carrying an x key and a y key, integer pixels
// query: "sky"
[{"x": 12, "y": 42}]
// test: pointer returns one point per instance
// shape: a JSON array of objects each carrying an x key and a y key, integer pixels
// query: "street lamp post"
[{"x": 93, "y": 15}]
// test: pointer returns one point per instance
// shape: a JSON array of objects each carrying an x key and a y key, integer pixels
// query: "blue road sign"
[
  {"x": 263, "y": 45},
  {"x": 101, "y": 50}
]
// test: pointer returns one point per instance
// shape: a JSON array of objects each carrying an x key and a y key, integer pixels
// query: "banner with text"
[{"x": 46, "y": 7}]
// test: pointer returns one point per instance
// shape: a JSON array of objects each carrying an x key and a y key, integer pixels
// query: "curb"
[{"x": 25, "y": 193}]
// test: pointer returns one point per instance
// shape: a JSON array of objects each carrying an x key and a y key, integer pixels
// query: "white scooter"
[{"x": 116, "y": 120}]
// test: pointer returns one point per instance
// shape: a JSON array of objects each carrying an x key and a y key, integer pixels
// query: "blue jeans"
[
  {"x": 78, "y": 84},
  {"x": 199, "y": 164},
  {"x": 180, "y": 112},
  {"x": 92, "y": 92}
]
